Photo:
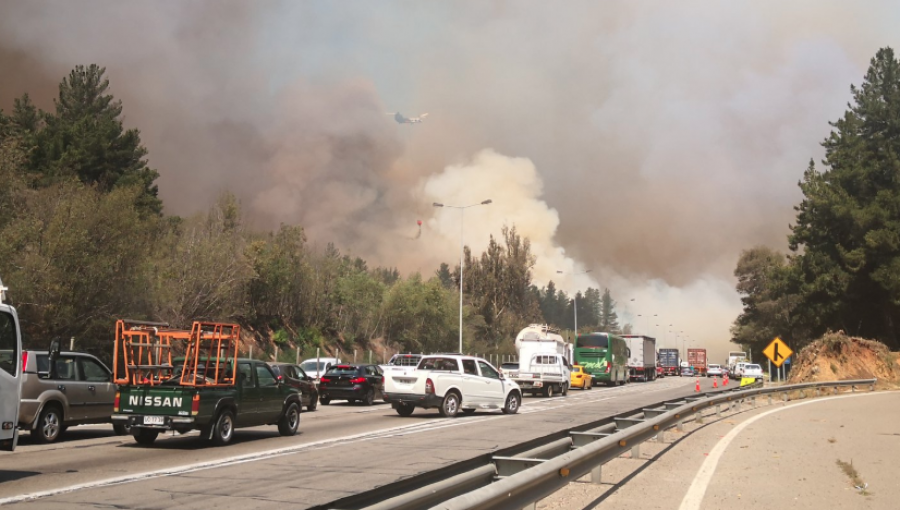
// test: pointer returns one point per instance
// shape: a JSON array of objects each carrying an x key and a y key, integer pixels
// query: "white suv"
[
  {"x": 752, "y": 370},
  {"x": 451, "y": 383}
]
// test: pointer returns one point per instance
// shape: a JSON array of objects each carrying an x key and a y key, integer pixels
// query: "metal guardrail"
[{"x": 518, "y": 481}]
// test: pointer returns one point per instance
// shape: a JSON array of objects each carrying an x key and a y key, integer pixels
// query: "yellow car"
[{"x": 580, "y": 378}]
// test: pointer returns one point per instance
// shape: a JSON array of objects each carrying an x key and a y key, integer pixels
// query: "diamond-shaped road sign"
[{"x": 778, "y": 352}]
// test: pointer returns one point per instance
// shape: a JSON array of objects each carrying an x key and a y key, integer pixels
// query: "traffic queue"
[{"x": 166, "y": 379}]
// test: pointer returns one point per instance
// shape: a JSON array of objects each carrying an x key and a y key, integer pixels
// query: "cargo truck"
[
  {"x": 544, "y": 361},
  {"x": 180, "y": 380},
  {"x": 697, "y": 360},
  {"x": 668, "y": 360},
  {"x": 641, "y": 357}
]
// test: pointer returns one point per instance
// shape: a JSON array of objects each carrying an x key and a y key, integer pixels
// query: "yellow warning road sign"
[{"x": 777, "y": 352}]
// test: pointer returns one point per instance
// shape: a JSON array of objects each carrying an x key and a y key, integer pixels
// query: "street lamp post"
[
  {"x": 575, "y": 300},
  {"x": 462, "y": 249}
]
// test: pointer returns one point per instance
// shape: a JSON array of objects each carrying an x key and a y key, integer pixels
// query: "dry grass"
[{"x": 853, "y": 474}]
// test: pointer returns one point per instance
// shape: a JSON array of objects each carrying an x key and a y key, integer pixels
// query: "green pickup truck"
[{"x": 258, "y": 397}]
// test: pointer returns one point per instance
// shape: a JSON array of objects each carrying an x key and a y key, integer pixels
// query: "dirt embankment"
[{"x": 837, "y": 356}]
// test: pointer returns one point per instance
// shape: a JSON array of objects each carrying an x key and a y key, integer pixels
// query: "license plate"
[{"x": 154, "y": 420}]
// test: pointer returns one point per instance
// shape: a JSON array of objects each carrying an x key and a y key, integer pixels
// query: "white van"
[
  {"x": 10, "y": 374},
  {"x": 316, "y": 367}
]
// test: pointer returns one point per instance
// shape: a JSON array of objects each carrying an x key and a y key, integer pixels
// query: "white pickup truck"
[{"x": 451, "y": 383}]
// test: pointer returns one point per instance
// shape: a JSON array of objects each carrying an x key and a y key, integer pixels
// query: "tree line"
[
  {"x": 842, "y": 267},
  {"x": 84, "y": 241}
]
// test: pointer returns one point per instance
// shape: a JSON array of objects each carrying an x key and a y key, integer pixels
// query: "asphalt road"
[{"x": 341, "y": 450}]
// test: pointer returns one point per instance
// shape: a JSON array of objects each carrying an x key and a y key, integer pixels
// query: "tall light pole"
[
  {"x": 575, "y": 299},
  {"x": 462, "y": 249}
]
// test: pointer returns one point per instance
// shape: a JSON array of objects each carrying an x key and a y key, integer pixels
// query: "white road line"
[{"x": 694, "y": 497}]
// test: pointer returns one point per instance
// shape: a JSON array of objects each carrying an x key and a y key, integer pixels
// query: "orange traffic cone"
[
  {"x": 725, "y": 380},
  {"x": 697, "y": 387},
  {"x": 715, "y": 381}
]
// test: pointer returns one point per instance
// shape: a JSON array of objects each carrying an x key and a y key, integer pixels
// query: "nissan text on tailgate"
[{"x": 208, "y": 389}]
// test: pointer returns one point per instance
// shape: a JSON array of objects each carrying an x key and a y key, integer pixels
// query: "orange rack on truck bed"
[{"x": 151, "y": 353}]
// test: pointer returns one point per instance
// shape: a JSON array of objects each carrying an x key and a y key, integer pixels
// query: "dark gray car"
[{"x": 79, "y": 390}]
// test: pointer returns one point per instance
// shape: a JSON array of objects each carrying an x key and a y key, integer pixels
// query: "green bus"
[{"x": 604, "y": 356}]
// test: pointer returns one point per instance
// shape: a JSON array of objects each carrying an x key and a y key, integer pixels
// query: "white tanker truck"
[{"x": 544, "y": 361}]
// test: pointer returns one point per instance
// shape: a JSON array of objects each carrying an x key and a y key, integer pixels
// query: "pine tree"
[
  {"x": 609, "y": 320},
  {"x": 847, "y": 234},
  {"x": 85, "y": 138}
]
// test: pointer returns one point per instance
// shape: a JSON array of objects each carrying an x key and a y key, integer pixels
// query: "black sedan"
[
  {"x": 355, "y": 383},
  {"x": 295, "y": 377}
]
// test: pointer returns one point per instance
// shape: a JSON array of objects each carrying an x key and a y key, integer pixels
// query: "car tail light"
[
  {"x": 357, "y": 380},
  {"x": 116, "y": 403},
  {"x": 24, "y": 359},
  {"x": 429, "y": 387},
  {"x": 607, "y": 369},
  {"x": 324, "y": 380},
  {"x": 382, "y": 380},
  {"x": 195, "y": 404}
]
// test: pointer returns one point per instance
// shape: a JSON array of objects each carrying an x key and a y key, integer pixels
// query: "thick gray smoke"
[{"x": 647, "y": 141}]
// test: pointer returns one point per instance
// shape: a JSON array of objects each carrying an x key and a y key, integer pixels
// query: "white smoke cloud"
[{"x": 516, "y": 189}]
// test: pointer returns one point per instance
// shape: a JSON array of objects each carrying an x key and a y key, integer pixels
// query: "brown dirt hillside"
[{"x": 837, "y": 357}]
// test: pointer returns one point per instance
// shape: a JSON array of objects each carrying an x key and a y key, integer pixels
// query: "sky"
[{"x": 647, "y": 142}]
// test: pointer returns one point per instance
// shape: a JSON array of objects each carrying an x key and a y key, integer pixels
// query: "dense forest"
[
  {"x": 84, "y": 240},
  {"x": 842, "y": 271}
]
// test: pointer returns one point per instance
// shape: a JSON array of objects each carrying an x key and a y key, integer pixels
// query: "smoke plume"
[{"x": 647, "y": 141}]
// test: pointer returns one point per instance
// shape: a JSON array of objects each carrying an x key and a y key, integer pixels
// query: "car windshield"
[
  {"x": 342, "y": 370},
  {"x": 714, "y": 366},
  {"x": 752, "y": 367},
  {"x": 310, "y": 366}
]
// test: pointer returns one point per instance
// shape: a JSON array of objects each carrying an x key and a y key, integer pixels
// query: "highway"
[{"x": 341, "y": 450}]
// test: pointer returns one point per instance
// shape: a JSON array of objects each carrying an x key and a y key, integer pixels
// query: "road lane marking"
[{"x": 694, "y": 497}]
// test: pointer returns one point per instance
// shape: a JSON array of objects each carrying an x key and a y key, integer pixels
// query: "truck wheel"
[
  {"x": 49, "y": 425},
  {"x": 324, "y": 401},
  {"x": 405, "y": 409},
  {"x": 145, "y": 437},
  {"x": 287, "y": 425},
  {"x": 513, "y": 402},
  {"x": 121, "y": 429},
  {"x": 548, "y": 390},
  {"x": 370, "y": 398},
  {"x": 565, "y": 390},
  {"x": 223, "y": 430},
  {"x": 450, "y": 405}
]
